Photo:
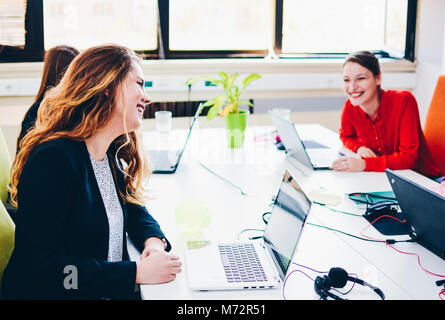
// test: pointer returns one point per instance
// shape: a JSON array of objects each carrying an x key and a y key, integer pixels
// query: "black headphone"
[
  {"x": 337, "y": 278},
  {"x": 382, "y": 208}
]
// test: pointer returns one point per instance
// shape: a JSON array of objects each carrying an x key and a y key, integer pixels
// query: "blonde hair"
[{"x": 82, "y": 103}]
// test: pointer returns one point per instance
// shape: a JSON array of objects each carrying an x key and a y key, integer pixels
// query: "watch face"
[{"x": 165, "y": 243}]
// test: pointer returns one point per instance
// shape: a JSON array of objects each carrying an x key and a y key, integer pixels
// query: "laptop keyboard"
[
  {"x": 319, "y": 157},
  {"x": 241, "y": 263}
]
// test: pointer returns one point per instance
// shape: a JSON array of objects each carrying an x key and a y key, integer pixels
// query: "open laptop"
[
  {"x": 424, "y": 212},
  {"x": 311, "y": 153},
  {"x": 167, "y": 161},
  {"x": 255, "y": 264}
]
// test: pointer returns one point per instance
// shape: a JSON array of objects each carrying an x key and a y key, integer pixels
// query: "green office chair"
[
  {"x": 5, "y": 167},
  {"x": 7, "y": 229}
]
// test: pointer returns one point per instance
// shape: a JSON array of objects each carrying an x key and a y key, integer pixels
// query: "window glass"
[
  {"x": 84, "y": 23},
  {"x": 199, "y": 25},
  {"x": 12, "y": 22},
  {"x": 326, "y": 26},
  {"x": 396, "y": 19}
]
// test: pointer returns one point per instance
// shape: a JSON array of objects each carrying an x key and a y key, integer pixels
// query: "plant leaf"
[
  {"x": 223, "y": 75},
  {"x": 227, "y": 109},
  {"x": 216, "y": 100},
  {"x": 232, "y": 79},
  {"x": 213, "y": 112},
  {"x": 250, "y": 78},
  {"x": 246, "y": 102}
]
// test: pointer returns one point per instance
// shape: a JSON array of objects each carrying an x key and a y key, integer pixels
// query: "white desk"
[
  {"x": 258, "y": 169},
  {"x": 403, "y": 269}
]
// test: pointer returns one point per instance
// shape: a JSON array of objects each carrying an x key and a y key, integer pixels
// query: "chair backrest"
[
  {"x": 5, "y": 167},
  {"x": 7, "y": 229},
  {"x": 434, "y": 125}
]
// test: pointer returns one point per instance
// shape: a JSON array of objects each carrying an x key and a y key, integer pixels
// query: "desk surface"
[{"x": 215, "y": 174}]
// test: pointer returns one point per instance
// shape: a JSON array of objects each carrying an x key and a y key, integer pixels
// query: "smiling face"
[
  {"x": 360, "y": 85},
  {"x": 132, "y": 102}
]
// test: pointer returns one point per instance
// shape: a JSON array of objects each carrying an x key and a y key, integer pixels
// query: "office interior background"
[{"x": 296, "y": 46}]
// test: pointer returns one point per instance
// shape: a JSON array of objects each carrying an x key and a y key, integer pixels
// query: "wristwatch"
[{"x": 165, "y": 243}]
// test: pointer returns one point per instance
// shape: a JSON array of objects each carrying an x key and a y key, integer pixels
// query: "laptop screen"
[
  {"x": 286, "y": 222},
  {"x": 290, "y": 139},
  {"x": 198, "y": 111},
  {"x": 424, "y": 211}
]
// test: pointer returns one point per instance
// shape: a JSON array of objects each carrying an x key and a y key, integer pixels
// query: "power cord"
[
  {"x": 339, "y": 211},
  {"x": 251, "y": 238},
  {"x": 387, "y": 241},
  {"x": 265, "y": 217},
  {"x": 222, "y": 178}
]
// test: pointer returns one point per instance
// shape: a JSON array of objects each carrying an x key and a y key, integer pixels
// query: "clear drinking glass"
[{"x": 163, "y": 121}]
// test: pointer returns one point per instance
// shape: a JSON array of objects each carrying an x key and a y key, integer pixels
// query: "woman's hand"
[
  {"x": 365, "y": 152},
  {"x": 349, "y": 164},
  {"x": 152, "y": 245},
  {"x": 158, "y": 267}
]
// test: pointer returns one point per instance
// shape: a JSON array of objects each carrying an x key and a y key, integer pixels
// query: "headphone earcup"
[
  {"x": 338, "y": 277},
  {"x": 319, "y": 287}
]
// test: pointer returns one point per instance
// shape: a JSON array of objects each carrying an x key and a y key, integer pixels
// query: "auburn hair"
[
  {"x": 82, "y": 103},
  {"x": 55, "y": 63}
]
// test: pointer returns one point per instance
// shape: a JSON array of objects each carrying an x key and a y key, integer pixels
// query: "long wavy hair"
[
  {"x": 55, "y": 63},
  {"x": 82, "y": 103}
]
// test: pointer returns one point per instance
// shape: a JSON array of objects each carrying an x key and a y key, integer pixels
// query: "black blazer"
[{"x": 62, "y": 224}]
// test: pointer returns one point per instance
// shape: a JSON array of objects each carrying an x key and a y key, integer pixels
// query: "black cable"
[
  {"x": 266, "y": 220},
  {"x": 387, "y": 241},
  {"x": 222, "y": 178},
  {"x": 251, "y": 238}
]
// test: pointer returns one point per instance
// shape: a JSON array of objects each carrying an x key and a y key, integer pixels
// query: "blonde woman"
[{"x": 78, "y": 185}]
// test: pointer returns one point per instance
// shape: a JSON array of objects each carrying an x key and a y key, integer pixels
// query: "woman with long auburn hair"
[{"x": 78, "y": 184}]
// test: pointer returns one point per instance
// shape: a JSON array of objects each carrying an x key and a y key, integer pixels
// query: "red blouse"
[{"x": 395, "y": 135}]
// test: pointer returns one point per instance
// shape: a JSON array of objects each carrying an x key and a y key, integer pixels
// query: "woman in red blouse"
[{"x": 381, "y": 126}]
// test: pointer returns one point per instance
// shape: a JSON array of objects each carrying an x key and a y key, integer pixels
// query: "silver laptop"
[
  {"x": 167, "y": 161},
  {"x": 312, "y": 154},
  {"x": 256, "y": 264},
  {"x": 423, "y": 210}
]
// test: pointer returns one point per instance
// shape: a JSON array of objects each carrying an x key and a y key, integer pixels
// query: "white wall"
[{"x": 430, "y": 50}]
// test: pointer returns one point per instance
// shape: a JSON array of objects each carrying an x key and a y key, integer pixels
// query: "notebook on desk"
[
  {"x": 254, "y": 264},
  {"x": 167, "y": 161},
  {"x": 311, "y": 153},
  {"x": 424, "y": 211}
]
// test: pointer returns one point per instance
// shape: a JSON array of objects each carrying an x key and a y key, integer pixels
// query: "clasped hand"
[
  {"x": 352, "y": 164},
  {"x": 157, "y": 266}
]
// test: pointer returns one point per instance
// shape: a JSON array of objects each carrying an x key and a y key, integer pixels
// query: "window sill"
[{"x": 280, "y": 77}]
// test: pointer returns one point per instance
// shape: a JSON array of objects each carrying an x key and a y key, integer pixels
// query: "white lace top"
[{"x": 113, "y": 207}]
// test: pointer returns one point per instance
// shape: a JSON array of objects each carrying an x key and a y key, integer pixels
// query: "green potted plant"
[{"x": 227, "y": 104}]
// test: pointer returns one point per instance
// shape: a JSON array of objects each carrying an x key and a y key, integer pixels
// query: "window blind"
[{"x": 12, "y": 22}]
